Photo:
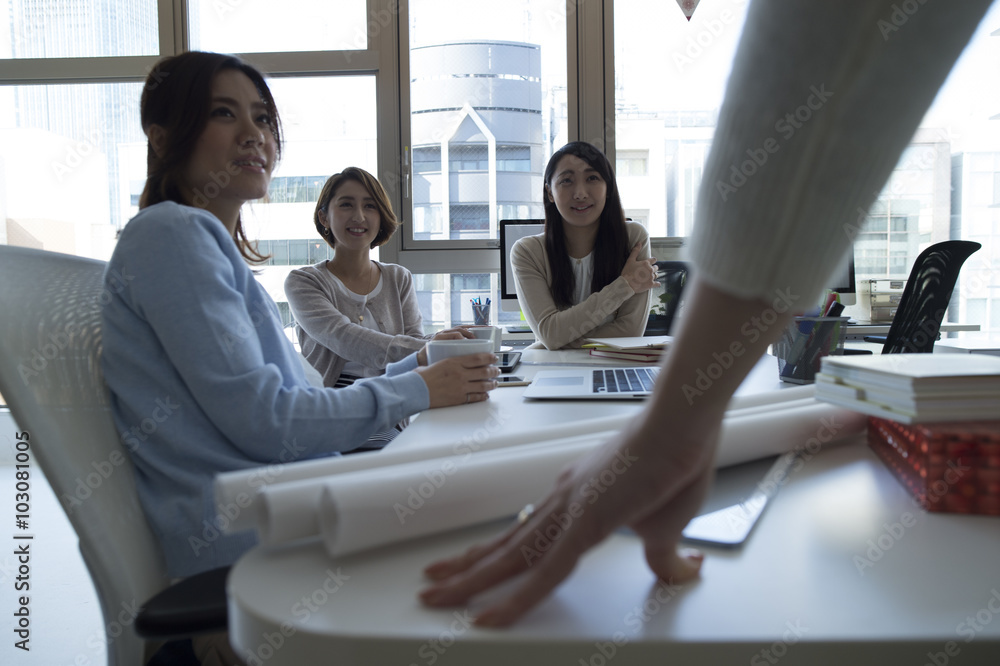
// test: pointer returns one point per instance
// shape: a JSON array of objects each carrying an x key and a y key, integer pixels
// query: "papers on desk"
[{"x": 374, "y": 499}]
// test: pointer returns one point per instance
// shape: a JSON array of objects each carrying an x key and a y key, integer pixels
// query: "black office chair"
[
  {"x": 925, "y": 298},
  {"x": 672, "y": 276}
]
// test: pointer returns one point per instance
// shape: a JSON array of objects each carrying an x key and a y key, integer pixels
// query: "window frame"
[{"x": 590, "y": 100}]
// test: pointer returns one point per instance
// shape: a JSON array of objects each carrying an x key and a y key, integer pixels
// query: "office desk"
[
  {"x": 843, "y": 568},
  {"x": 859, "y": 331}
]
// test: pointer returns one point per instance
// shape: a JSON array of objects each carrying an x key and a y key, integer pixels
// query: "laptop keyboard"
[{"x": 624, "y": 380}]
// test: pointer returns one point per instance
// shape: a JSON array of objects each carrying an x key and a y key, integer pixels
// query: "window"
[
  {"x": 665, "y": 113},
  {"x": 234, "y": 26},
  {"x": 473, "y": 97},
  {"x": 487, "y": 85},
  {"x": 80, "y": 28}
]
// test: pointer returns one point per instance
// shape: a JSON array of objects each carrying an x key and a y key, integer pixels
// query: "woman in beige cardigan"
[
  {"x": 355, "y": 316},
  {"x": 589, "y": 273}
]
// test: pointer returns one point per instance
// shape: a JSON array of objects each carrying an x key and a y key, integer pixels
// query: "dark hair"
[
  {"x": 611, "y": 247},
  {"x": 177, "y": 97},
  {"x": 387, "y": 224}
]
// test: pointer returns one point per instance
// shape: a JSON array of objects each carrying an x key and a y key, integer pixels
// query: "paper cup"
[{"x": 438, "y": 350}]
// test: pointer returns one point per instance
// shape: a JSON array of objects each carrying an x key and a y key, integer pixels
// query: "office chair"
[
  {"x": 925, "y": 298},
  {"x": 672, "y": 276},
  {"x": 50, "y": 375}
]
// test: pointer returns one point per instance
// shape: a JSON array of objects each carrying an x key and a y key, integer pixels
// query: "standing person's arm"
[{"x": 759, "y": 242}]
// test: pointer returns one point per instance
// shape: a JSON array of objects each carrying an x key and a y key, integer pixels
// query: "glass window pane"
[
  {"x": 70, "y": 158},
  {"x": 446, "y": 299},
  {"x": 488, "y": 104},
  {"x": 79, "y": 28},
  {"x": 670, "y": 74},
  {"x": 263, "y": 26}
]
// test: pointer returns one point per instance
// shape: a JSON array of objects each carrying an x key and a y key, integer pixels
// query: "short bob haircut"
[
  {"x": 388, "y": 224},
  {"x": 611, "y": 247},
  {"x": 177, "y": 96}
]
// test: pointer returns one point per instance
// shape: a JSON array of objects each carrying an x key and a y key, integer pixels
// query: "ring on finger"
[{"x": 525, "y": 514}]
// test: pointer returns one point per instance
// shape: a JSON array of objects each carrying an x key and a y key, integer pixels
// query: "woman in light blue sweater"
[{"x": 202, "y": 377}]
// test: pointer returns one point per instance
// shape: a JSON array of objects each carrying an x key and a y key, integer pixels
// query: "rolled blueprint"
[
  {"x": 376, "y": 506},
  {"x": 241, "y": 488}
]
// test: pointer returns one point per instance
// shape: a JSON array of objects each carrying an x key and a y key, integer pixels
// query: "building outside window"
[{"x": 490, "y": 91}]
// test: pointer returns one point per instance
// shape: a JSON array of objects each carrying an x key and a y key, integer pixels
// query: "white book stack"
[{"x": 914, "y": 388}]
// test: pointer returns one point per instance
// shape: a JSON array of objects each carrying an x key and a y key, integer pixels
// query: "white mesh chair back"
[{"x": 50, "y": 375}]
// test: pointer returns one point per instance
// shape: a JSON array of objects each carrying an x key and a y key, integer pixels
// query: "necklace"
[{"x": 364, "y": 303}]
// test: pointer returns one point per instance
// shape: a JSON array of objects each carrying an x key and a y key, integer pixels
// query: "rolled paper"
[
  {"x": 376, "y": 506},
  {"x": 241, "y": 488}
]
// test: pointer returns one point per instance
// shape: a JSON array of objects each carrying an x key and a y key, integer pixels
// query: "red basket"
[{"x": 948, "y": 467}]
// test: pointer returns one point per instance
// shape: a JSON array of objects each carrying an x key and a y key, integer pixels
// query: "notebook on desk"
[{"x": 593, "y": 384}]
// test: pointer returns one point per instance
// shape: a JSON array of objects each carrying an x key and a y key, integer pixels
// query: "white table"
[
  {"x": 843, "y": 568},
  {"x": 859, "y": 331}
]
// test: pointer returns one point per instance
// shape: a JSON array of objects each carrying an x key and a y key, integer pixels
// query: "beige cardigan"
[
  {"x": 571, "y": 327},
  {"x": 330, "y": 337}
]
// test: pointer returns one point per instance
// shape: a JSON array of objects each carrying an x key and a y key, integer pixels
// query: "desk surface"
[
  {"x": 842, "y": 568},
  {"x": 863, "y": 329}
]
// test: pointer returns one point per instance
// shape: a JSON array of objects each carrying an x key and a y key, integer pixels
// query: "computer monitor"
[
  {"x": 510, "y": 232},
  {"x": 843, "y": 283}
]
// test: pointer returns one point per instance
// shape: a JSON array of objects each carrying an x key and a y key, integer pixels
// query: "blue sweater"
[{"x": 203, "y": 381}]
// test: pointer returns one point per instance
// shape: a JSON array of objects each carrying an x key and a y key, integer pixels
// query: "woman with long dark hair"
[{"x": 589, "y": 273}]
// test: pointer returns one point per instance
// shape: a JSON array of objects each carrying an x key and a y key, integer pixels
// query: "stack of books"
[
  {"x": 935, "y": 422},
  {"x": 645, "y": 349},
  {"x": 913, "y": 388}
]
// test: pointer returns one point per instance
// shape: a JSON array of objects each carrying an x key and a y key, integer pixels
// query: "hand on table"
[
  {"x": 460, "y": 379},
  {"x": 640, "y": 273},
  {"x": 629, "y": 481}
]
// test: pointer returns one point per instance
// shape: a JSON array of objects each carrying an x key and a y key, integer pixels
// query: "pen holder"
[
  {"x": 804, "y": 343},
  {"x": 481, "y": 314}
]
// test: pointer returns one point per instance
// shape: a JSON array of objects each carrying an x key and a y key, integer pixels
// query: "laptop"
[{"x": 634, "y": 383}]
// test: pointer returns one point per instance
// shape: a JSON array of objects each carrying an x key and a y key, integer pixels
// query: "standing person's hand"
[
  {"x": 640, "y": 273},
  {"x": 626, "y": 482},
  {"x": 652, "y": 478}
]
